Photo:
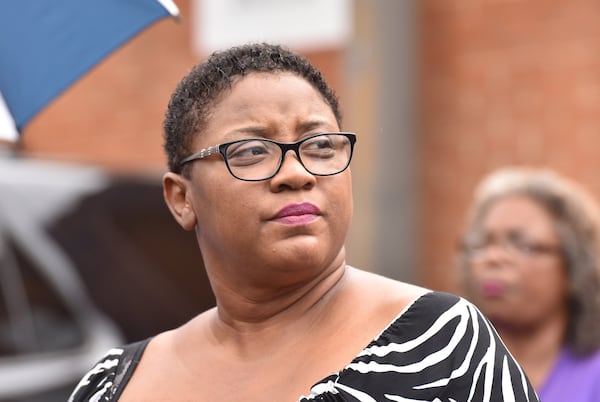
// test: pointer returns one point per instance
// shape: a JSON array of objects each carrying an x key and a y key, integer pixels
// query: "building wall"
[{"x": 502, "y": 82}]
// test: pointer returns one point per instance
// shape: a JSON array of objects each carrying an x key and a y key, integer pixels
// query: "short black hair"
[{"x": 199, "y": 90}]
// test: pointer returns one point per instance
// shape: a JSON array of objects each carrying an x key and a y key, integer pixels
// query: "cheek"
[
  {"x": 544, "y": 285},
  {"x": 213, "y": 206},
  {"x": 473, "y": 275},
  {"x": 343, "y": 205},
  {"x": 225, "y": 225},
  {"x": 474, "y": 271}
]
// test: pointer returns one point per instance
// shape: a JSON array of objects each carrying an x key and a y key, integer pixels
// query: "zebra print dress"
[{"x": 439, "y": 349}]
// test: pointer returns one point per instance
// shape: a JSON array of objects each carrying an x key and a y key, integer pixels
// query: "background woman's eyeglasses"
[
  {"x": 515, "y": 244},
  {"x": 256, "y": 159}
]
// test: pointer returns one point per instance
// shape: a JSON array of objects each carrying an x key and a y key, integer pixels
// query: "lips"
[
  {"x": 298, "y": 213},
  {"x": 492, "y": 288}
]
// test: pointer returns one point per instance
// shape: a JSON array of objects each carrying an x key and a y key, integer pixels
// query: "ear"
[{"x": 176, "y": 192}]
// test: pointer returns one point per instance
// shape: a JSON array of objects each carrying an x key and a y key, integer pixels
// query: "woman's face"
[
  {"x": 516, "y": 271},
  {"x": 292, "y": 223}
]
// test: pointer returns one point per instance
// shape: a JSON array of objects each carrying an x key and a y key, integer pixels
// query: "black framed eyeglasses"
[
  {"x": 256, "y": 159},
  {"x": 515, "y": 244}
]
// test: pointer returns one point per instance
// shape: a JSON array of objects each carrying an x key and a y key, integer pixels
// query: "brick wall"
[{"x": 502, "y": 82}]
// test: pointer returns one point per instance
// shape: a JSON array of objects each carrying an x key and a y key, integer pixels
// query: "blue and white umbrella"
[{"x": 46, "y": 45}]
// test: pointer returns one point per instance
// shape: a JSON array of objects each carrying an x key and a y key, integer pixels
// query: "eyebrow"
[
  {"x": 250, "y": 131},
  {"x": 265, "y": 131},
  {"x": 312, "y": 124}
]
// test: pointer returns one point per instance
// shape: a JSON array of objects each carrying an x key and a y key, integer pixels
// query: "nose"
[{"x": 292, "y": 174}]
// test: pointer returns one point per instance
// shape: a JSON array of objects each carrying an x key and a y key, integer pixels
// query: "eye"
[
  {"x": 249, "y": 152},
  {"x": 476, "y": 243},
  {"x": 519, "y": 242},
  {"x": 479, "y": 244},
  {"x": 321, "y": 147}
]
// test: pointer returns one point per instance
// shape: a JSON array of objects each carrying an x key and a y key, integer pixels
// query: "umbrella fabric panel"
[{"x": 46, "y": 45}]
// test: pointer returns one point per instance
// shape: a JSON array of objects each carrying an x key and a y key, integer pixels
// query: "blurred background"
[{"x": 440, "y": 92}]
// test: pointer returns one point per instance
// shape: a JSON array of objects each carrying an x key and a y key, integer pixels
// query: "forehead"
[
  {"x": 269, "y": 100},
  {"x": 256, "y": 89},
  {"x": 517, "y": 212}
]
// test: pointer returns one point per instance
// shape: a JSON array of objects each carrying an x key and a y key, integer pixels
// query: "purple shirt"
[{"x": 573, "y": 379}]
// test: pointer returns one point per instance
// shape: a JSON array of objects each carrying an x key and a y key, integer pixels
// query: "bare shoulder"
[
  {"x": 162, "y": 362},
  {"x": 378, "y": 285},
  {"x": 384, "y": 296}
]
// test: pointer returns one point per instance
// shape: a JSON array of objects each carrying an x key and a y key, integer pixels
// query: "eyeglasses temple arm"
[{"x": 203, "y": 153}]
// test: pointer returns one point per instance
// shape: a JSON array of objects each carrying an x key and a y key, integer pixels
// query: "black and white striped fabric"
[{"x": 439, "y": 349}]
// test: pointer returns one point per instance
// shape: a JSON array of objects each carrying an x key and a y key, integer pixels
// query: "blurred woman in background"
[{"x": 530, "y": 259}]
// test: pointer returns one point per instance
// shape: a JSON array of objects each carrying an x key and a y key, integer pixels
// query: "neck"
[
  {"x": 253, "y": 309},
  {"x": 535, "y": 347}
]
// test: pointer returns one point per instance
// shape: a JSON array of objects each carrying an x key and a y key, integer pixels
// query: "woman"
[
  {"x": 531, "y": 258},
  {"x": 258, "y": 170}
]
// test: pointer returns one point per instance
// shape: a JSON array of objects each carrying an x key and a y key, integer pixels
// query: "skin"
[
  {"x": 285, "y": 296},
  {"x": 525, "y": 296}
]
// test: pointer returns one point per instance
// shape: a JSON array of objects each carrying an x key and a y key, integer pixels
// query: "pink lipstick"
[
  {"x": 493, "y": 288},
  {"x": 298, "y": 214}
]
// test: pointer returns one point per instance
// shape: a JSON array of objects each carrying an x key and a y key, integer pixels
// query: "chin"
[{"x": 492, "y": 307}]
